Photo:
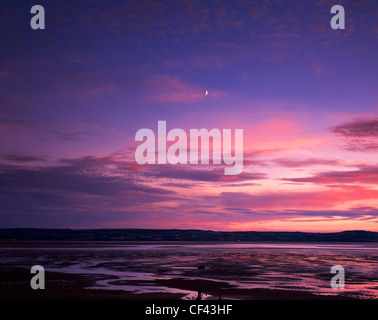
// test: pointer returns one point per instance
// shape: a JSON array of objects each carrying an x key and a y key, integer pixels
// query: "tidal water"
[{"x": 136, "y": 267}]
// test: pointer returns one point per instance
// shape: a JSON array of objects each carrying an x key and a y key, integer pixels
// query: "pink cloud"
[
  {"x": 295, "y": 163},
  {"x": 319, "y": 200},
  {"x": 169, "y": 89}
]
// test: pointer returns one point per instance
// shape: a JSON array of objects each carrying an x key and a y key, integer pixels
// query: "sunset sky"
[{"x": 73, "y": 96}]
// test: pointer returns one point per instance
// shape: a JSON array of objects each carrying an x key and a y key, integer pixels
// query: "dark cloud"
[
  {"x": 242, "y": 184},
  {"x": 71, "y": 179},
  {"x": 57, "y": 193},
  {"x": 89, "y": 162},
  {"x": 176, "y": 185},
  {"x": 359, "y": 135},
  {"x": 19, "y": 157},
  {"x": 97, "y": 189},
  {"x": 204, "y": 173},
  {"x": 196, "y": 173},
  {"x": 358, "y": 128},
  {"x": 364, "y": 175}
]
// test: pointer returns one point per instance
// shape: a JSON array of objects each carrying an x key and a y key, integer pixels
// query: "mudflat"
[{"x": 179, "y": 271}]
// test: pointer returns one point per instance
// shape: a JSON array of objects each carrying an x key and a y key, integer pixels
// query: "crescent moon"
[{"x": 206, "y": 93}]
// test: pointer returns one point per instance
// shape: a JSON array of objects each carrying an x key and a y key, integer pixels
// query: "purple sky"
[{"x": 73, "y": 96}]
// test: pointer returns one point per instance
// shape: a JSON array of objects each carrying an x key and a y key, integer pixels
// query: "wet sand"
[
  {"x": 15, "y": 285},
  {"x": 161, "y": 271}
]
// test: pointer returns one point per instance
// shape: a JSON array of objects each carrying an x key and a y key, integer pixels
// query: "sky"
[{"x": 73, "y": 96}]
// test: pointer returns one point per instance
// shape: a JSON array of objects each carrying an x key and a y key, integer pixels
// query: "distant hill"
[{"x": 28, "y": 234}]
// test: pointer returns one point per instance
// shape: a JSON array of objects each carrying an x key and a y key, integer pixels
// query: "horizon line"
[{"x": 168, "y": 229}]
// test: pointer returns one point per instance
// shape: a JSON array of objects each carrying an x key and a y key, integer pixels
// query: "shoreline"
[{"x": 125, "y": 243}]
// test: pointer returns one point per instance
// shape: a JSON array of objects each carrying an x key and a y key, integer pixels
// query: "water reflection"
[{"x": 136, "y": 268}]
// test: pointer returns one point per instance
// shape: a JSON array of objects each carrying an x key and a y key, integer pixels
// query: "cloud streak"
[
  {"x": 320, "y": 200},
  {"x": 359, "y": 135}
]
